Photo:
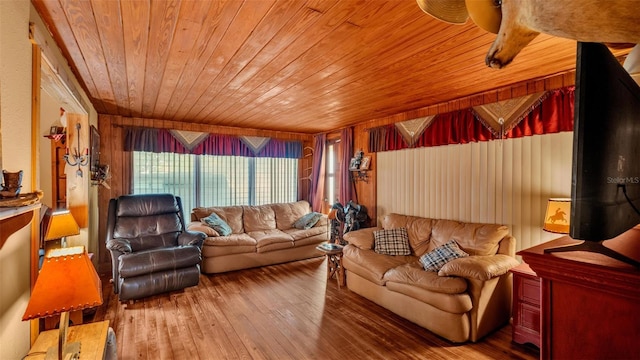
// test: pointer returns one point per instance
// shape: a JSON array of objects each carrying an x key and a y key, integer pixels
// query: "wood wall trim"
[{"x": 121, "y": 121}]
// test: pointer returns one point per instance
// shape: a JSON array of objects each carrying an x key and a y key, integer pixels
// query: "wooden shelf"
[
  {"x": 360, "y": 175},
  {"x": 13, "y": 219}
]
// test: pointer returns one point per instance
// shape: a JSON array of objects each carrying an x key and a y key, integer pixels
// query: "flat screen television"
[{"x": 605, "y": 184}]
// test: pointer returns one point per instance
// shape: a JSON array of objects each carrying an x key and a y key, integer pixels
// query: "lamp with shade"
[
  {"x": 558, "y": 216},
  {"x": 61, "y": 225},
  {"x": 67, "y": 282}
]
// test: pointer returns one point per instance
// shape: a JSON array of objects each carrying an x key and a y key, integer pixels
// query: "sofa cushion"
[
  {"x": 370, "y": 265},
  {"x": 307, "y": 221},
  {"x": 479, "y": 267},
  {"x": 391, "y": 242},
  {"x": 450, "y": 303},
  {"x": 216, "y": 223},
  {"x": 231, "y": 240},
  {"x": 438, "y": 257},
  {"x": 288, "y": 213},
  {"x": 232, "y": 215},
  {"x": 270, "y": 240},
  {"x": 302, "y": 234},
  {"x": 418, "y": 230},
  {"x": 413, "y": 274},
  {"x": 473, "y": 238},
  {"x": 257, "y": 218}
]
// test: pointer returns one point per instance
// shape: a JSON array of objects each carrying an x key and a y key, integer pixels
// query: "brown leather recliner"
[{"x": 151, "y": 250}]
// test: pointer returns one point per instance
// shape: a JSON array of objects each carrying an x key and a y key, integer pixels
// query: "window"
[
  {"x": 207, "y": 180},
  {"x": 332, "y": 172}
]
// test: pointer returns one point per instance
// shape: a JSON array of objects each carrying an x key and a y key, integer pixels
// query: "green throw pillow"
[
  {"x": 217, "y": 224},
  {"x": 307, "y": 221}
]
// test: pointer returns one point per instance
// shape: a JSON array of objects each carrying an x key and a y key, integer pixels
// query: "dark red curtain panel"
[
  {"x": 316, "y": 190},
  {"x": 458, "y": 127},
  {"x": 554, "y": 114},
  {"x": 281, "y": 149},
  {"x": 138, "y": 139},
  {"x": 168, "y": 143}
]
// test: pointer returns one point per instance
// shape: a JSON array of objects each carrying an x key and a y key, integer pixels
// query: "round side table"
[{"x": 334, "y": 262}]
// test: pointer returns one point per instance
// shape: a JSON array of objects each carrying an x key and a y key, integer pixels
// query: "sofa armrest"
[
  {"x": 479, "y": 267},
  {"x": 191, "y": 238},
  {"x": 362, "y": 238},
  {"x": 200, "y": 227}
]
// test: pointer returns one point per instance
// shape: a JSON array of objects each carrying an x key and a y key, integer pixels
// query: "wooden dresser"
[{"x": 590, "y": 303}]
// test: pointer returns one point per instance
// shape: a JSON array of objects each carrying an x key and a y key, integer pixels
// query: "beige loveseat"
[
  {"x": 468, "y": 298},
  {"x": 261, "y": 235}
]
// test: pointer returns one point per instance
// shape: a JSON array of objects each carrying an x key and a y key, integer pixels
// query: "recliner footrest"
[
  {"x": 150, "y": 284},
  {"x": 155, "y": 260}
]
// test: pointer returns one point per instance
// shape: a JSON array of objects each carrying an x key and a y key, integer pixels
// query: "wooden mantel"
[{"x": 13, "y": 219}]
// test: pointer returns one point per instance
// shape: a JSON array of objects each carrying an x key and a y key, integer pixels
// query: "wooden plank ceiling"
[{"x": 305, "y": 66}]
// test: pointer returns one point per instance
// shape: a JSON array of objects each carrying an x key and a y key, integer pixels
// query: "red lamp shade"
[{"x": 67, "y": 282}]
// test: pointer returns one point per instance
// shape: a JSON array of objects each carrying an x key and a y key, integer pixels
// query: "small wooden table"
[
  {"x": 92, "y": 338},
  {"x": 334, "y": 261}
]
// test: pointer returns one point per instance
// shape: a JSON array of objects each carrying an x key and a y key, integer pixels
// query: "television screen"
[{"x": 606, "y": 147}]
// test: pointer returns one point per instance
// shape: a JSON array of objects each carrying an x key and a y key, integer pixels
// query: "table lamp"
[
  {"x": 558, "y": 216},
  {"x": 67, "y": 282},
  {"x": 61, "y": 225}
]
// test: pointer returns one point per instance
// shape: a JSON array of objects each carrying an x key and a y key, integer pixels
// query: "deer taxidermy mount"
[{"x": 517, "y": 22}]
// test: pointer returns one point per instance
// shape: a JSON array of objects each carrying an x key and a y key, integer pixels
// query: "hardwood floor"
[{"x": 286, "y": 311}]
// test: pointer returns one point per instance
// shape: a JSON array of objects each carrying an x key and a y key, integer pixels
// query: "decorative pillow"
[
  {"x": 307, "y": 221},
  {"x": 435, "y": 260},
  {"x": 391, "y": 242},
  {"x": 202, "y": 227},
  {"x": 216, "y": 223}
]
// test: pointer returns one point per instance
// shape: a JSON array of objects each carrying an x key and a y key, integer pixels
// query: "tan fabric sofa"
[
  {"x": 261, "y": 235},
  {"x": 468, "y": 298}
]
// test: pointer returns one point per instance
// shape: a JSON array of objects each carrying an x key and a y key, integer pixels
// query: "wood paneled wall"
[
  {"x": 111, "y": 130},
  {"x": 368, "y": 191}
]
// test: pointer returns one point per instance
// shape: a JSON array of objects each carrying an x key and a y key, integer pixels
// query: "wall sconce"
[{"x": 78, "y": 159}]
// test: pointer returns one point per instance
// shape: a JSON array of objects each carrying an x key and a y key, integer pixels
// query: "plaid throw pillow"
[
  {"x": 392, "y": 242},
  {"x": 435, "y": 260}
]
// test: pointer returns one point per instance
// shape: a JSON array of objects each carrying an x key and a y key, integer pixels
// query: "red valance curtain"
[
  {"x": 161, "y": 140},
  {"x": 554, "y": 114}
]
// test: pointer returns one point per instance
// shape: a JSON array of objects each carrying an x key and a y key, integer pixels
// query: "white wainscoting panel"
[{"x": 501, "y": 181}]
